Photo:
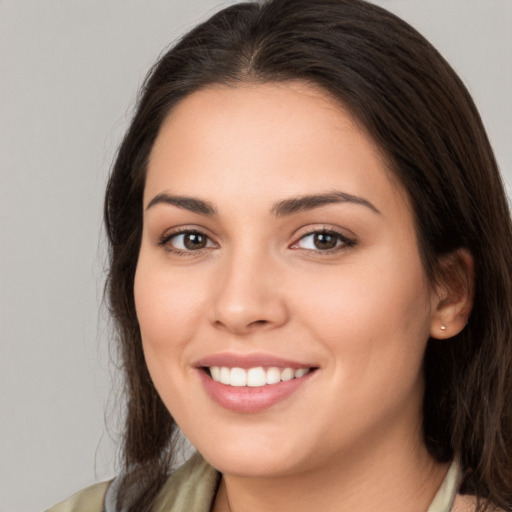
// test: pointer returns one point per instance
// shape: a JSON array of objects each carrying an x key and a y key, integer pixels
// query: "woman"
[{"x": 310, "y": 273}]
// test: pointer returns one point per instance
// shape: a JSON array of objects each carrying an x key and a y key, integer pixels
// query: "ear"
[{"x": 453, "y": 295}]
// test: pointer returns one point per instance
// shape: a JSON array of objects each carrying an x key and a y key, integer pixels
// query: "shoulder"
[
  {"x": 464, "y": 503},
  {"x": 90, "y": 499},
  {"x": 190, "y": 487},
  {"x": 468, "y": 503}
]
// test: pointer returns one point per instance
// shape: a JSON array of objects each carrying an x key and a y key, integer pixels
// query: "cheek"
[
  {"x": 167, "y": 308},
  {"x": 374, "y": 324},
  {"x": 385, "y": 292},
  {"x": 373, "y": 316}
]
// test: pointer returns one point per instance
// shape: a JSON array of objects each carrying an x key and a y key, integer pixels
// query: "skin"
[{"x": 350, "y": 437}]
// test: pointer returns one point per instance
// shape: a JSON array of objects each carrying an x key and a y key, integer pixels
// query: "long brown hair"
[{"x": 422, "y": 117}]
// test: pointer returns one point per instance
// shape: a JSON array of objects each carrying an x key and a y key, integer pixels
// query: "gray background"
[{"x": 69, "y": 75}]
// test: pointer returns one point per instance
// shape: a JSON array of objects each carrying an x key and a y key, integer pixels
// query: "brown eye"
[
  {"x": 325, "y": 241},
  {"x": 194, "y": 241},
  {"x": 188, "y": 241}
]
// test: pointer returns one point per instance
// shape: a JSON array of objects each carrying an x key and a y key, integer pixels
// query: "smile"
[
  {"x": 252, "y": 383},
  {"x": 254, "y": 377}
]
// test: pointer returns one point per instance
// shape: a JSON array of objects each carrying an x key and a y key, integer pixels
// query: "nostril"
[{"x": 259, "y": 322}]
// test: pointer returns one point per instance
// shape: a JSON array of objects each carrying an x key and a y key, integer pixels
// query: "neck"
[{"x": 400, "y": 479}]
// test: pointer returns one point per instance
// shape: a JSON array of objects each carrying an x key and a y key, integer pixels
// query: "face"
[{"x": 283, "y": 306}]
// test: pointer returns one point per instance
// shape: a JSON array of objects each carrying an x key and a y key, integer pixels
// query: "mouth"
[
  {"x": 251, "y": 383},
  {"x": 254, "y": 377}
]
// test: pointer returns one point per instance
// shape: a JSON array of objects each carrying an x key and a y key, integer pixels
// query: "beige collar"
[{"x": 445, "y": 497}]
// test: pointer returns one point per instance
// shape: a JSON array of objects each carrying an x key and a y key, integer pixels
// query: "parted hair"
[{"x": 419, "y": 113}]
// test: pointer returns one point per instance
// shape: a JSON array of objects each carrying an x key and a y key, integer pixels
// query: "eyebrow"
[
  {"x": 187, "y": 203},
  {"x": 280, "y": 209},
  {"x": 310, "y": 202}
]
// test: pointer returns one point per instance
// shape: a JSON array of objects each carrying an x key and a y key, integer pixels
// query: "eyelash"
[
  {"x": 168, "y": 237},
  {"x": 342, "y": 241}
]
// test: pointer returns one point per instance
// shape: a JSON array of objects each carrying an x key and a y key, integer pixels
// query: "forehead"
[{"x": 276, "y": 138}]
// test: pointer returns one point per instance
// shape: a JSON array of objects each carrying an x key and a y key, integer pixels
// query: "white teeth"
[
  {"x": 287, "y": 374},
  {"x": 225, "y": 375},
  {"x": 254, "y": 377},
  {"x": 238, "y": 377},
  {"x": 273, "y": 375},
  {"x": 215, "y": 371}
]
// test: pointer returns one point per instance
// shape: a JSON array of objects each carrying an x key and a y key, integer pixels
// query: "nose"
[{"x": 249, "y": 295}]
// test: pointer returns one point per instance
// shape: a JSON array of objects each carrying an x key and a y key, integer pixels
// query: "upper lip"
[{"x": 246, "y": 361}]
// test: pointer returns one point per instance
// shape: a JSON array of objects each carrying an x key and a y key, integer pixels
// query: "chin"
[{"x": 252, "y": 456}]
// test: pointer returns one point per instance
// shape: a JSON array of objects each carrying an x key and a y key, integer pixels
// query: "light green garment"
[
  {"x": 192, "y": 488},
  {"x": 89, "y": 499},
  {"x": 445, "y": 496}
]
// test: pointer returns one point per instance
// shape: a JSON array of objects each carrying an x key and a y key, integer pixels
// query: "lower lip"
[{"x": 246, "y": 399}]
